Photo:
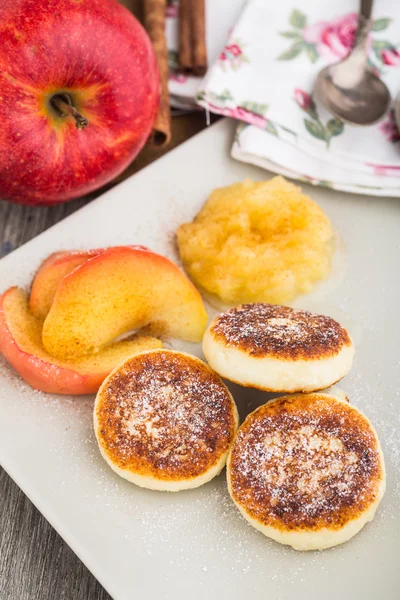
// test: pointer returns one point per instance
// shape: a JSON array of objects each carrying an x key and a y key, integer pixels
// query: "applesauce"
[{"x": 257, "y": 242}]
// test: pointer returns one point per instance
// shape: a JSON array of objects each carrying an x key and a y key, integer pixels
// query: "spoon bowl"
[
  {"x": 359, "y": 100},
  {"x": 349, "y": 89}
]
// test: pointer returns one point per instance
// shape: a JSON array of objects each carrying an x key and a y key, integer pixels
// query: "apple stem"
[{"x": 67, "y": 109}]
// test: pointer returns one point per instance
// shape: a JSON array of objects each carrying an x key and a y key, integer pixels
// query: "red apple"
[{"x": 79, "y": 89}]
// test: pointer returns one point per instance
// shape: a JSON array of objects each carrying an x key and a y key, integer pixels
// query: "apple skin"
[
  {"x": 40, "y": 374},
  {"x": 97, "y": 53},
  {"x": 42, "y": 371}
]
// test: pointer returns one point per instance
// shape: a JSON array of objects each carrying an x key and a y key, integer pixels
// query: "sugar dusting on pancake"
[
  {"x": 305, "y": 463},
  {"x": 165, "y": 414},
  {"x": 279, "y": 331}
]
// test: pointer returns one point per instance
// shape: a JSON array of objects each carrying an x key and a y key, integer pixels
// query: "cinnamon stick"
[
  {"x": 192, "y": 37},
  {"x": 154, "y": 21},
  {"x": 199, "y": 37},
  {"x": 185, "y": 37}
]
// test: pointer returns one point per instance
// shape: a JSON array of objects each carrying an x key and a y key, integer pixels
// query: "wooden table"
[{"x": 35, "y": 563}]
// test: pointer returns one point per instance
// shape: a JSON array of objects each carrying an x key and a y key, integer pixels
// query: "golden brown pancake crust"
[
  {"x": 165, "y": 415},
  {"x": 280, "y": 332},
  {"x": 305, "y": 462}
]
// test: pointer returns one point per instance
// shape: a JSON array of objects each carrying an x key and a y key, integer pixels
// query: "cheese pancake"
[
  {"x": 307, "y": 470},
  {"x": 277, "y": 348},
  {"x": 165, "y": 421}
]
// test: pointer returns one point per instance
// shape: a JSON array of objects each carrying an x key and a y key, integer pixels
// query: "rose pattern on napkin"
[
  {"x": 177, "y": 77},
  {"x": 389, "y": 128},
  {"x": 313, "y": 124},
  {"x": 333, "y": 40},
  {"x": 386, "y": 170},
  {"x": 173, "y": 74},
  {"x": 232, "y": 56},
  {"x": 248, "y": 112},
  {"x": 172, "y": 9},
  {"x": 253, "y": 113},
  {"x": 391, "y": 57}
]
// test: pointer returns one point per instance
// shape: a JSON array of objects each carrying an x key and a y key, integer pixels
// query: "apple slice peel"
[{"x": 20, "y": 343}]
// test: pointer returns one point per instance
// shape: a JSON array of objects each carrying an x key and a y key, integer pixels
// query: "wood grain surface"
[{"x": 35, "y": 563}]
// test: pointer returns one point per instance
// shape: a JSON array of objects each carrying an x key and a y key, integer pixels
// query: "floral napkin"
[{"x": 265, "y": 75}]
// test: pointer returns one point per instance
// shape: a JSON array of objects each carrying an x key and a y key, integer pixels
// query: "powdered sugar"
[
  {"x": 263, "y": 329},
  {"x": 300, "y": 465},
  {"x": 167, "y": 412}
]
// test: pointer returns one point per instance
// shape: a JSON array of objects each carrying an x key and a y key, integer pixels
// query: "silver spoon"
[{"x": 349, "y": 89}]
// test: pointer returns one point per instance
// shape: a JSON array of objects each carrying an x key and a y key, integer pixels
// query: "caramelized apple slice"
[
  {"x": 21, "y": 344},
  {"x": 49, "y": 275},
  {"x": 51, "y": 272},
  {"x": 119, "y": 290}
]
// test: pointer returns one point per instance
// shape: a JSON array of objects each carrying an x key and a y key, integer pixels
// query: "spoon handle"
[
  {"x": 364, "y": 27},
  {"x": 366, "y": 8}
]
